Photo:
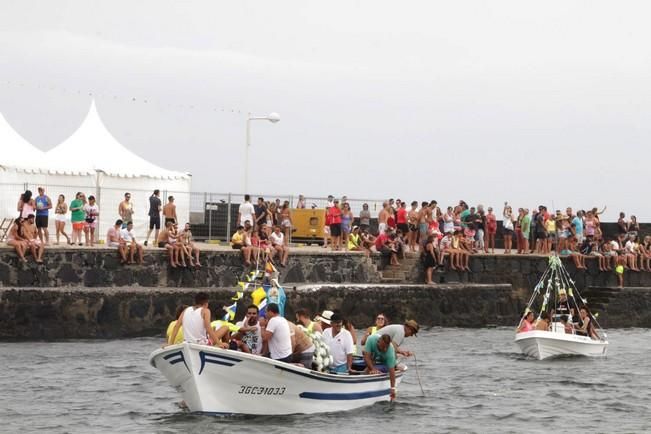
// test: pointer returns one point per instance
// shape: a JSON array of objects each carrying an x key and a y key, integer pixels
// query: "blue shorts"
[{"x": 341, "y": 369}]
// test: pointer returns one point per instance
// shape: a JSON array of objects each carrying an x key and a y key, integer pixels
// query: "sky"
[{"x": 520, "y": 101}]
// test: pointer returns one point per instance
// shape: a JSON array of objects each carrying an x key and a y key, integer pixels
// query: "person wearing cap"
[
  {"x": 563, "y": 306},
  {"x": 398, "y": 333},
  {"x": 324, "y": 319},
  {"x": 355, "y": 240},
  {"x": 341, "y": 345},
  {"x": 380, "y": 356}
]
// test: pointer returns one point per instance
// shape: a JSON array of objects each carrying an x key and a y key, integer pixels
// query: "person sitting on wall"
[
  {"x": 164, "y": 242},
  {"x": 30, "y": 233},
  {"x": 131, "y": 244},
  {"x": 238, "y": 242},
  {"x": 281, "y": 250},
  {"x": 191, "y": 249},
  {"x": 113, "y": 240}
]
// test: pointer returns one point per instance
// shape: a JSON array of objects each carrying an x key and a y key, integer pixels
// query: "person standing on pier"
[
  {"x": 125, "y": 210},
  {"x": 43, "y": 206},
  {"x": 154, "y": 216}
]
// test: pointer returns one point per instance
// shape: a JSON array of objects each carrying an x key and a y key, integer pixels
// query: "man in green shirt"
[
  {"x": 78, "y": 216},
  {"x": 525, "y": 225},
  {"x": 378, "y": 349}
]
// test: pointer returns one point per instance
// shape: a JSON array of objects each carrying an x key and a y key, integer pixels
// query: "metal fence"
[{"x": 213, "y": 216}]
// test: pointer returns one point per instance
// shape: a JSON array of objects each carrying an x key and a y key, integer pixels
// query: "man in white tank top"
[{"x": 196, "y": 324}]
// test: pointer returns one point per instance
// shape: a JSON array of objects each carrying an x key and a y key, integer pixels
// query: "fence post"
[
  {"x": 205, "y": 204},
  {"x": 228, "y": 219}
]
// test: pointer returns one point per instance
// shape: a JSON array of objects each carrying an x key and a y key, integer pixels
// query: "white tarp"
[
  {"x": 93, "y": 149},
  {"x": 23, "y": 166}
]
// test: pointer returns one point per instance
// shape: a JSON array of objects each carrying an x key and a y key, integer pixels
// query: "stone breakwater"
[
  {"x": 100, "y": 267},
  {"x": 74, "y": 313}
]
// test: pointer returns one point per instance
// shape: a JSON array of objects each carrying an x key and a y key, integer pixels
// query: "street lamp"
[{"x": 271, "y": 117}]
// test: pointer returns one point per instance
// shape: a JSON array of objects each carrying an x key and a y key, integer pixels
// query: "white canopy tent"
[
  {"x": 93, "y": 150},
  {"x": 23, "y": 166}
]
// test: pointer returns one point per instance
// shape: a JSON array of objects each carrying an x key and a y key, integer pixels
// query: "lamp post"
[{"x": 271, "y": 117}]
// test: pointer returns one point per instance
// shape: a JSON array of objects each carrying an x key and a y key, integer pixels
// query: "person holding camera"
[{"x": 92, "y": 212}]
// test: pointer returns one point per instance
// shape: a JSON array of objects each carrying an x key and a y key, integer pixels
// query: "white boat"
[
  {"x": 556, "y": 287},
  {"x": 545, "y": 344},
  {"x": 217, "y": 381}
]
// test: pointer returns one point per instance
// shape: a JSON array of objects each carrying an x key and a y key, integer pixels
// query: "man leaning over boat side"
[
  {"x": 196, "y": 324},
  {"x": 380, "y": 356},
  {"x": 276, "y": 334},
  {"x": 398, "y": 333}
]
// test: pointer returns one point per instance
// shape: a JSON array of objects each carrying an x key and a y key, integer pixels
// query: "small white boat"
[
  {"x": 545, "y": 344},
  {"x": 557, "y": 301},
  {"x": 216, "y": 381}
]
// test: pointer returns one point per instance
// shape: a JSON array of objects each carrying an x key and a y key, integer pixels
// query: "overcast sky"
[{"x": 531, "y": 102}]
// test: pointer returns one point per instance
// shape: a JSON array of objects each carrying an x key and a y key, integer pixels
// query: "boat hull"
[
  {"x": 546, "y": 344},
  {"x": 213, "y": 380}
]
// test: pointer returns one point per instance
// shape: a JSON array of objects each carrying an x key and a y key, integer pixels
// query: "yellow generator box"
[{"x": 308, "y": 225}]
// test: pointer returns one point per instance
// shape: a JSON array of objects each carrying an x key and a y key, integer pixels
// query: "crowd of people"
[
  {"x": 29, "y": 231},
  {"x": 263, "y": 231},
  {"x": 449, "y": 237},
  {"x": 272, "y": 335}
]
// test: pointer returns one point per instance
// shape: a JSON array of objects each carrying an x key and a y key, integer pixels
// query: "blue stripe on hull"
[
  {"x": 342, "y": 379},
  {"x": 345, "y": 396}
]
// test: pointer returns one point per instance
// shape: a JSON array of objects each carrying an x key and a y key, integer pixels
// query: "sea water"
[{"x": 474, "y": 380}]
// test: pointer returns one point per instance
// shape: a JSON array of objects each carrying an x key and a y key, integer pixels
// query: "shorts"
[
  {"x": 91, "y": 225},
  {"x": 169, "y": 219},
  {"x": 579, "y": 238},
  {"x": 404, "y": 228},
  {"x": 542, "y": 235},
  {"x": 381, "y": 227},
  {"x": 162, "y": 244},
  {"x": 78, "y": 226},
  {"x": 41, "y": 221},
  {"x": 60, "y": 218},
  {"x": 335, "y": 229},
  {"x": 422, "y": 228},
  {"x": 154, "y": 222},
  {"x": 412, "y": 227},
  {"x": 113, "y": 244},
  {"x": 236, "y": 246}
]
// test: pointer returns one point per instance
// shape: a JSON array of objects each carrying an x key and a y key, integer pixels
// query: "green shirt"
[
  {"x": 525, "y": 224},
  {"x": 387, "y": 358},
  {"x": 79, "y": 215}
]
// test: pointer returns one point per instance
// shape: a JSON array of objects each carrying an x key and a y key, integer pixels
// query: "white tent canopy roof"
[
  {"x": 93, "y": 148},
  {"x": 17, "y": 153}
]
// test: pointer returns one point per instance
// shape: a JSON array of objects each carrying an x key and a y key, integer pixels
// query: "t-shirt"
[
  {"x": 126, "y": 235},
  {"x": 260, "y": 210},
  {"x": 179, "y": 334},
  {"x": 280, "y": 344},
  {"x": 41, "y": 205},
  {"x": 578, "y": 225},
  {"x": 247, "y": 212},
  {"x": 525, "y": 224},
  {"x": 154, "y": 206},
  {"x": 252, "y": 339},
  {"x": 238, "y": 239},
  {"x": 335, "y": 215},
  {"x": 401, "y": 216},
  {"x": 277, "y": 239},
  {"x": 380, "y": 240},
  {"x": 78, "y": 215},
  {"x": 387, "y": 358},
  {"x": 396, "y": 331},
  {"x": 365, "y": 217},
  {"x": 112, "y": 235},
  {"x": 340, "y": 345}
]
